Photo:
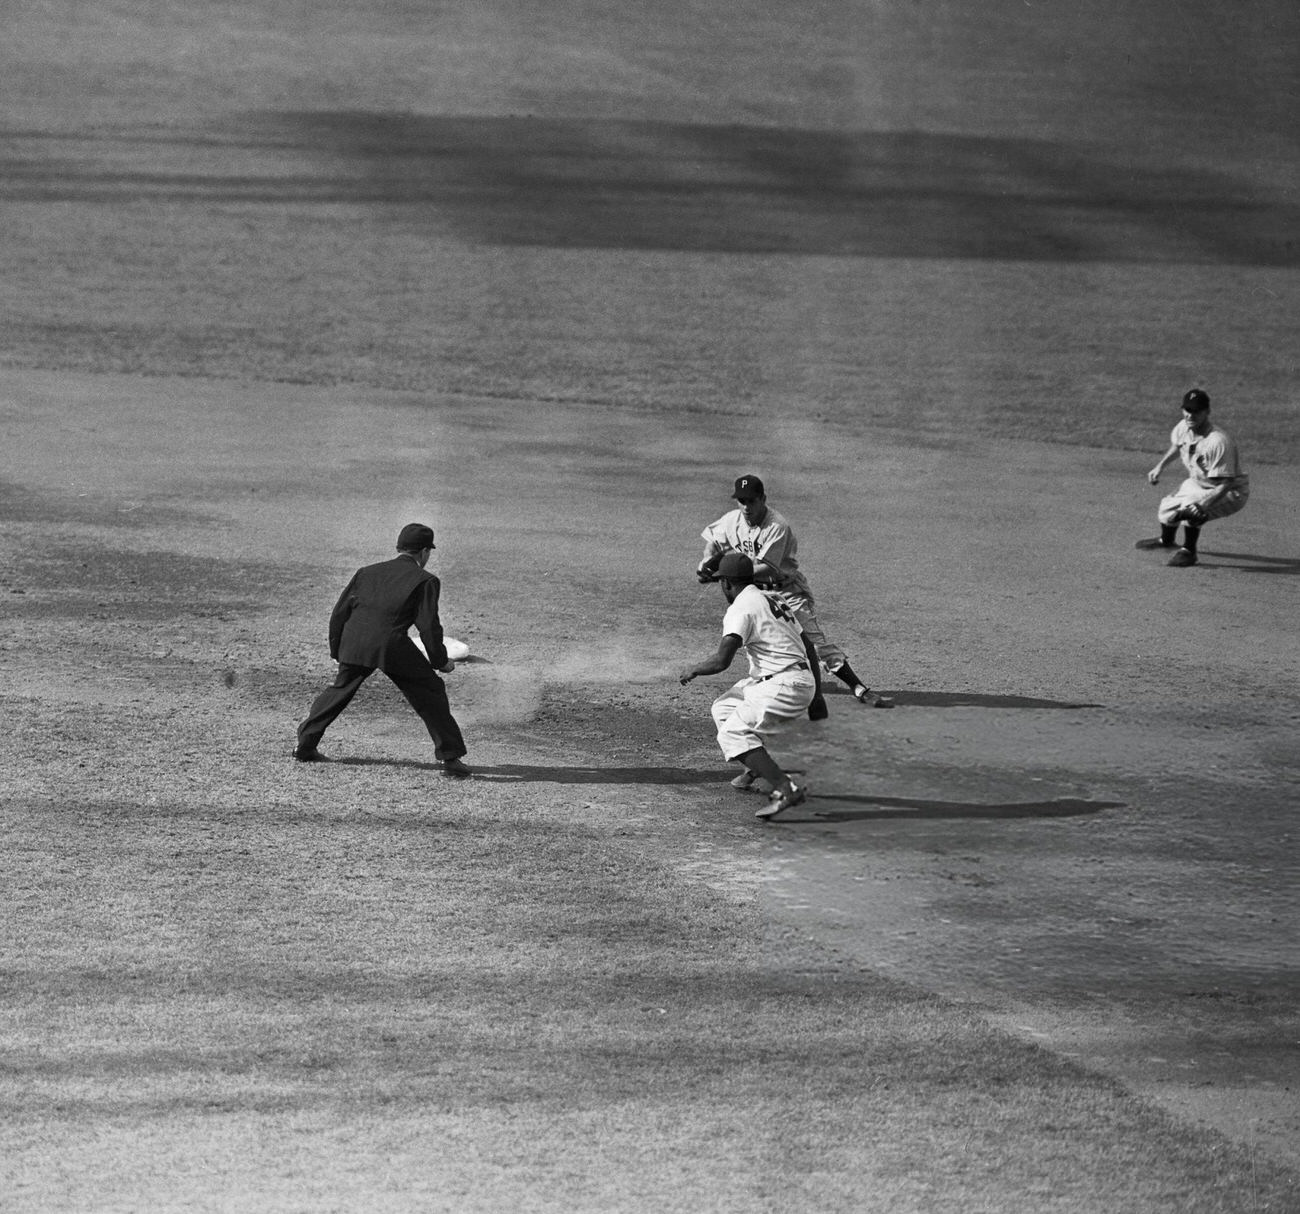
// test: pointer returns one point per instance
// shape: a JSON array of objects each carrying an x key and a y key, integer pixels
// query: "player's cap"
[
  {"x": 748, "y": 486},
  {"x": 735, "y": 567},
  {"x": 414, "y": 537},
  {"x": 1196, "y": 401}
]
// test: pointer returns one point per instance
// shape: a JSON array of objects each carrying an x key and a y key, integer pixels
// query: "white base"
[{"x": 457, "y": 651}]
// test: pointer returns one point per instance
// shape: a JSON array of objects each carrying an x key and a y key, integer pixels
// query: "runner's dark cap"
[
  {"x": 1196, "y": 401},
  {"x": 735, "y": 567}
]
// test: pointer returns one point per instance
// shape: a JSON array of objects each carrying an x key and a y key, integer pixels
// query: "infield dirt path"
[{"x": 1080, "y": 816}]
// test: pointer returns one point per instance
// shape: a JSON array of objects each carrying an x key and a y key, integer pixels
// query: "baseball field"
[{"x": 278, "y": 277}]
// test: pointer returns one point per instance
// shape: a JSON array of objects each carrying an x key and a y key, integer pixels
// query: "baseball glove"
[
  {"x": 817, "y": 710},
  {"x": 1194, "y": 513},
  {"x": 705, "y": 575}
]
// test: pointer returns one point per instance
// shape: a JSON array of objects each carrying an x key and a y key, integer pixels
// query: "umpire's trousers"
[{"x": 426, "y": 693}]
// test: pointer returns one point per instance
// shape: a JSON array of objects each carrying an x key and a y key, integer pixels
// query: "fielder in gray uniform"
[
  {"x": 765, "y": 537},
  {"x": 1215, "y": 486}
]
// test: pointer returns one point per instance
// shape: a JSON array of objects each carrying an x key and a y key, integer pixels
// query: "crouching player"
[
  {"x": 1215, "y": 486},
  {"x": 784, "y": 676}
]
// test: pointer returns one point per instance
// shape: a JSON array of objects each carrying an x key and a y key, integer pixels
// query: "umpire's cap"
[
  {"x": 1196, "y": 401},
  {"x": 748, "y": 486},
  {"x": 736, "y": 567},
  {"x": 415, "y": 537}
]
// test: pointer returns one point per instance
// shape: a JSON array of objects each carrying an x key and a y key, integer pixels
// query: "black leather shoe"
[
  {"x": 456, "y": 769},
  {"x": 309, "y": 754}
]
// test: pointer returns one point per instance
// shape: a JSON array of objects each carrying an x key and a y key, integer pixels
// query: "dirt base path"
[{"x": 1080, "y": 817}]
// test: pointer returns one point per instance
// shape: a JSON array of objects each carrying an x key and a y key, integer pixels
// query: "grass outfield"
[
  {"x": 271, "y": 278},
  {"x": 872, "y": 218}
]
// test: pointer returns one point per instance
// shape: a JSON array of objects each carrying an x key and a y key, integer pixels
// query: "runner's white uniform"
[
  {"x": 774, "y": 543},
  {"x": 1211, "y": 460},
  {"x": 779, "y": 687}
]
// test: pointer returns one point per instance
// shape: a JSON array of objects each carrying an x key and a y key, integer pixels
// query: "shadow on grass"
[
  {"x": 614, "y": 183},
  {"x": 875, "y": 808},
  {"x": 1257, "y": 564}
]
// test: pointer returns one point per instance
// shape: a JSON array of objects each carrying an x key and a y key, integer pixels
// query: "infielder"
[
  {"x": 368, "y": 632},
  {"x": 782, "y": 682},
  {"x": 764, "y": 536},
  {"x": 1215, "y": 486}
]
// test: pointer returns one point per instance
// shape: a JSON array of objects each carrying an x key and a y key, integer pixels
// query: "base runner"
[{"x": 783, "y": 679}]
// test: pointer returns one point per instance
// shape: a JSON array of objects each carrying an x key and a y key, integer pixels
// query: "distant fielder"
[
  {"x": 782, "y": 682},
  {"x": 765, "y": 537},
  {"x": 1215, "y": 486}
]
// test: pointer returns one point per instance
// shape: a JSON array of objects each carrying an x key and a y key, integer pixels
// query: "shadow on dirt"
[
  {"x": 514, "y": 773},
  {"x": 910, "y": 807},
  {"x": 520, "y": 773},
  {"x": 971, "y": 699},
  {"x": 1257, "y": 564}
]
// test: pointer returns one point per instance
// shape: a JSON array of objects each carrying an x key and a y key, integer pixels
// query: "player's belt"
[{"x": 797, "y": 666}]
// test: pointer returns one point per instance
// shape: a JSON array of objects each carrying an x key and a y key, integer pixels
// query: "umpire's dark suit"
[{"x": 368, "y": 632}]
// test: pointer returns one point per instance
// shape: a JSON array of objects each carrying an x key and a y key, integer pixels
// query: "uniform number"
[{"x": 779, "y": 608}]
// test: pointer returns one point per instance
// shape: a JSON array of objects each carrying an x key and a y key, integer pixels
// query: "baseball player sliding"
[
  {"x": 1215, "y": 486},
  {"x": 783, "y": 680},
  {"x": 764, "y": 536}
]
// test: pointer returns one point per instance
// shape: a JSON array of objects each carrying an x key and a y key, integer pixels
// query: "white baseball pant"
[{"x": 755, "y": 709}]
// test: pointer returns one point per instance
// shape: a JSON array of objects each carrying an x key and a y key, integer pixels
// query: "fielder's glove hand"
[
  {"x": 705, "y": 575},
  {"x": 817, "y": 710},
  {"x": 1195, "y": 514}
]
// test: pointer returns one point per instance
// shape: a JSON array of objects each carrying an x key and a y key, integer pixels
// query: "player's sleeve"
[
  {"x": 738, "y": 622},
  {"x": 778, "y": 548},
  {"x": 716, "y": 540}
]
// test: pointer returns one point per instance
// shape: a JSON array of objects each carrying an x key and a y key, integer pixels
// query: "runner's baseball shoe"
[
  {"x": 1182, "y": 558},
  {"x": 747, "y": 781},
  {"x": 864, "y": 695},
  {"x": 779, "y": 801}
]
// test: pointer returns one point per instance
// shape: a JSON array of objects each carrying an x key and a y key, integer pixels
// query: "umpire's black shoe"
[
  {"x": 456, "y": 769},
  {"x": 309, "y": 754}
]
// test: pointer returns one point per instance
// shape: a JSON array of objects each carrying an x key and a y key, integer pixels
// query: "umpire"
[{"x": 368, "y": 632}]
